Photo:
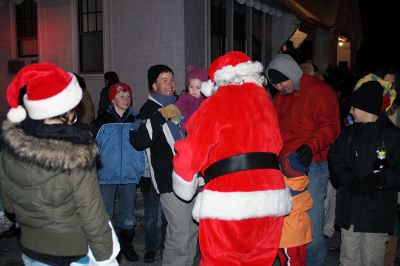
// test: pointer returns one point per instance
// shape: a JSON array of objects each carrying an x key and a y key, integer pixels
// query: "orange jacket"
[{"x": 297, "y": 225}]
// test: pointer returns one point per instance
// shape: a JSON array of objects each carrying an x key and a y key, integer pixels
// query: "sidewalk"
[{"x": 10, "y": 253}]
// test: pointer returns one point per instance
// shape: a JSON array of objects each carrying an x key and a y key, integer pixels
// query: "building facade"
[{"x": 90, "y": 37}]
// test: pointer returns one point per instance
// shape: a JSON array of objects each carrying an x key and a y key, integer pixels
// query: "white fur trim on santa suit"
[
  {"x": 234, "y": 75},
  {"x": 241, "y": 205},
  {"x": 183, "y": 189},
  {"x": 59, "y": 104}
]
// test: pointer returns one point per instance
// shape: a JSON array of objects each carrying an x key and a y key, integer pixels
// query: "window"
[
  {"x": 239, "y": 27},
  {"x": 90, "y": 36},
  {"x": 26, "y": 24},
  {"x": 257, "y": 36},
  {"x": 218, "y": 28}
]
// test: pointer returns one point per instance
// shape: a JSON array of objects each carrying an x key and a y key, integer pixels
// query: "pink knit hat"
[{"x": 196, "y": 73}]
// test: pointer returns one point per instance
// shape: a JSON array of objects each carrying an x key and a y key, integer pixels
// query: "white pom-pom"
[
  {"x": 16, "y": 115},
  {"x": 206, "y": 88}
]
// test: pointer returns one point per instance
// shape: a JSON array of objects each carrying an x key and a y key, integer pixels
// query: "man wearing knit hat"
[
  {"x": 366, "y": 202},
  {"x": 308, "y": 116},
  {"x": 157, "y": 134},
  {"x": 233, "y": 141}
]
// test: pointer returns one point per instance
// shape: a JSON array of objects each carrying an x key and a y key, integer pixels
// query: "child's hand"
[{"x": 172, "y": 112}]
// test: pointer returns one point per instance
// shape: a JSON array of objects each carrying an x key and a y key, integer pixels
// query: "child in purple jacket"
[{"x": 192, "y": 98}]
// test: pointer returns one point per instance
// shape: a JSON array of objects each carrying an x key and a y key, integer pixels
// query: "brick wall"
[{"x": 144, "y": 33}]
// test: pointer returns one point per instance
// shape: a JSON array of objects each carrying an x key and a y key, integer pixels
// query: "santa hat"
[
  {"x": 232, "y": 68},
  {"x": 117, "y": 87},
  {"x": 50, "y": 91}
]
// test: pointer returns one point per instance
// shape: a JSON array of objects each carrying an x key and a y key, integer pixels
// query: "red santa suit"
[{"x": 240, "y": 212}]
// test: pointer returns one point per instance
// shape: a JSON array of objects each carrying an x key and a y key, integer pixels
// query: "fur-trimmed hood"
[{"x": 50, "y": 154}]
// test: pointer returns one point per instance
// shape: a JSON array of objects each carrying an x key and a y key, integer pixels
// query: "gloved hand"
[
  {"x": 172, "y": 112},
  {"x": 145, "y": 184},
  {"x": 304, "y": 155}
]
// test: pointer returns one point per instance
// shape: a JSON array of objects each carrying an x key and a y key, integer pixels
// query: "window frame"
[
  {"x": 90, "y": 33},
  {"x": 24, "y": 25}
]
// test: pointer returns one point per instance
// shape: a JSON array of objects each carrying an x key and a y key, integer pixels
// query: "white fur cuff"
[{"x": 183, "y": 189}]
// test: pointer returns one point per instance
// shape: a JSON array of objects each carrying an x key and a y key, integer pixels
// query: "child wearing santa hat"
[
  {"x": 190, "y": 101},
  {"x": 48, "y": 172},
  {"x": 233, "y": 141}
]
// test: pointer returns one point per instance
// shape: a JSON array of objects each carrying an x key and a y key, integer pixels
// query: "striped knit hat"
[{"x": 291, "y": 167}]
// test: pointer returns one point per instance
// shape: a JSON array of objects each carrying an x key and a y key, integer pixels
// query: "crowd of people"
[{"x": 238, "y": 175}]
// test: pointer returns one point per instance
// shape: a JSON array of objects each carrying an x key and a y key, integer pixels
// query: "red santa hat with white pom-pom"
[
  {"x": 232, "y": 68},
  {"x": 50, "y": 91}
]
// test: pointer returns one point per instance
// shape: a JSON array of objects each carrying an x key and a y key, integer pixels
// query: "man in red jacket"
[{"x": 308, "y": 115}]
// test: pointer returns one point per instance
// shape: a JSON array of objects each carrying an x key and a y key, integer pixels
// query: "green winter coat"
[{"x": 51, "y": 186}]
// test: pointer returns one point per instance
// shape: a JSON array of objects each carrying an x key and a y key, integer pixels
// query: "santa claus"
[{"x": 233, "y": 140}]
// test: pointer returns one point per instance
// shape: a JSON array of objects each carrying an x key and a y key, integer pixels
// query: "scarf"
[{"x": 77, "y": 133}]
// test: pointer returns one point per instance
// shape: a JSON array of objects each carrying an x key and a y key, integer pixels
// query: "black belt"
[{"x": 241, "y": 162}]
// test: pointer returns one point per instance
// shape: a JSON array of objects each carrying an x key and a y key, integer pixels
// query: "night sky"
[{"x": 381, "y": 22}]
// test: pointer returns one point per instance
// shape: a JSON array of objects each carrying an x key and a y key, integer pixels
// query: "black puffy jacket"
[{"x": 351, "y": 156}]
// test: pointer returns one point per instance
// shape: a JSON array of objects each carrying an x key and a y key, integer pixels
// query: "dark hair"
[
  {"x": 111, "y": 77},
  {"x": 154, "y": 71}
]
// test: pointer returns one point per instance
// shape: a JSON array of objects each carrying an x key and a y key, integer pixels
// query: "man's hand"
[
  {"x": 172, "y": 112},
  {"x": 304, "y": 155}
]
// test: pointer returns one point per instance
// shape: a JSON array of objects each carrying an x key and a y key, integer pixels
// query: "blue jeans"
[
  {"x": 31, "y": 262},
  {"x": 151, "y": 204},
  {"x": 316, "y": 250},
  {"x": 127, "y": 198}
]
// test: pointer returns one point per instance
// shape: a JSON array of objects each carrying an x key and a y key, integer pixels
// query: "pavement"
[{"x": 10, "y": 253}]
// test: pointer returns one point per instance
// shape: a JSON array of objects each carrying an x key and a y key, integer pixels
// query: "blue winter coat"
[{"x": 120, "y": 163}]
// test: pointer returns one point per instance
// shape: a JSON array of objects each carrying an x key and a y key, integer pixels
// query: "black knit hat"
[
  {"x": 275, "y": 77},
  {"x": 368, "y": 97},
  {"x": 154, "y": 71}
]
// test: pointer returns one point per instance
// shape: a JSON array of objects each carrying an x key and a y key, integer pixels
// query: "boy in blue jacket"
[{"x": 121, "y": 166}]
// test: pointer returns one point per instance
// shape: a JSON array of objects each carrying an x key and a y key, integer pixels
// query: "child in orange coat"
[{"x": 296, "y": 232}]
